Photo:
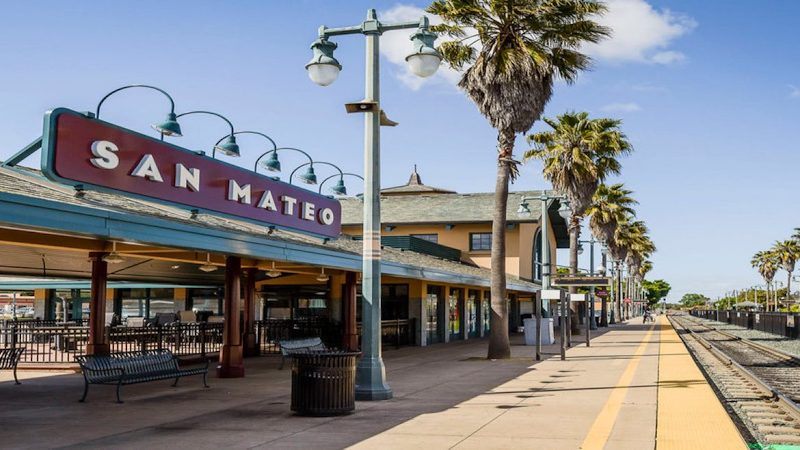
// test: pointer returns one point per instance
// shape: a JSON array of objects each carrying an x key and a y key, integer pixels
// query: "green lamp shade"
[
  {"x": 339, "y": 188},
  {"x": 169, "y": 127},
  {"x": 524, "y": 210},
  {"x": 229, "y": 147},
  {"x": 272, "y": 164},
  {"x": 309, "y": 177}
]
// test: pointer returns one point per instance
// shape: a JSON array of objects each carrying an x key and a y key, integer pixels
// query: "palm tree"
[
  {"x": 578, "y": 154},
  {"x": 610, "y": 206},
  {"x": 524, "y": 45},
  {"x": 767, "y": 263},
  {"x": 787, "y": 253}
]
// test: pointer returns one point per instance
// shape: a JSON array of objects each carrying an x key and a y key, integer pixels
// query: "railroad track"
[{"x": 759, "y": 384}]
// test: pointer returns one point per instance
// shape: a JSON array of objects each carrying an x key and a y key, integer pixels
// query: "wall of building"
[{"x": 519, "y": 242}]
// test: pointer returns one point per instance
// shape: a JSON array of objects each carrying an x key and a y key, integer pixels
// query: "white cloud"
[
  {"x": 622, "y": 107},
  {"x": 641, "y": 33},
  {"x": 794, "y": 91}
]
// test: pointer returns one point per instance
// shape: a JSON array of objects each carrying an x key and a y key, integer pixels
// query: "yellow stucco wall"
[{"x": 519, "y": 242}]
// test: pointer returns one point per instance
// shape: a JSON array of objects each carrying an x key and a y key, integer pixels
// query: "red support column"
[
  {"x": 231, "y": 361},
  {"x": 249, "y": 335},
  {"x": 98, "y": 341},
  {"x": 350, "y": 335}
]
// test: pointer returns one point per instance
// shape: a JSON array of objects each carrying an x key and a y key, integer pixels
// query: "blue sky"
[{"x": 708, "y": 92}]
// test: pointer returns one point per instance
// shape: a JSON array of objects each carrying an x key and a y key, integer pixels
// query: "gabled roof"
[{"x": 414, "y": 186}]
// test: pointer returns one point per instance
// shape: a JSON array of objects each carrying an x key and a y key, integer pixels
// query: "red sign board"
[{"x": 79, "y": 150}]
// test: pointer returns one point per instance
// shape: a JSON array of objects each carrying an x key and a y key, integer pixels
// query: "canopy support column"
[
  {"x": 249, "y": 338},
  {"x": 231, "y": 357},
  {"x": 98, "y": 340},
  {"x": 350, "y": 335}
]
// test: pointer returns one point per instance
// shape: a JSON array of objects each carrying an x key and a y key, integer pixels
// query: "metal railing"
[
  {"x": 269, "y": 332},
  {"x": 50, "y": 342},
  {"x": 395, "y": 333}
]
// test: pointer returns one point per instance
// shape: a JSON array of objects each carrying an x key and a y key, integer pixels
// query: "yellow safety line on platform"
[
  {"x": 690, "y": 416},
  {"x": 604, "y": 423}
]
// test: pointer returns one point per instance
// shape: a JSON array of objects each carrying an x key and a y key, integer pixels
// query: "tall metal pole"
[
  {"x": 370, "y": 372},
  {"x": 545, "y": 246},
  {"x": 590, "y": 299}
]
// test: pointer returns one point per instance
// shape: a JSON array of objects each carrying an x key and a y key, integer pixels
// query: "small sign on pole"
[
  {"x": 577, "y": 297},
  {"x": 581, "y": 280},
  {"x": 551, "y": 294}
]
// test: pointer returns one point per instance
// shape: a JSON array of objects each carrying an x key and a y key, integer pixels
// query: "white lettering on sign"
[
  {"x": 288, "y": 204},
  {"x": 267, "y": 202},
  {"x": 308, "y": 211},
  {"x": 147, "y": 169},
  {"x": 187, "y": 178},
  {"x": 105, "y": 155},
  {"x": 325, "y": 216},
  {"x": 238, "y": 193}
]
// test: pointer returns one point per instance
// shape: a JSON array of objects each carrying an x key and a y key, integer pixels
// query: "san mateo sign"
[{"x": 83, "y": 151}]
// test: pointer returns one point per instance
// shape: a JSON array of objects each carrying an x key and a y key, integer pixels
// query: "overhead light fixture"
[
  {"x": 323, "y": 277},
  {"x": 424, "y": 60},
  {"x": 113, "y": 257},
  {"x": 175, "y": 266},
  {"x": 323, "y": 69},
  {"x": 208, "y": 267},
  {"x": 274, "y": 272},
  {"x": 524, "y": 209}
]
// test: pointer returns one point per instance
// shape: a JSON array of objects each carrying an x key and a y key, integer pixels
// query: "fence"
[
  {"x": 778, "y": 323},
  {"x": 270, "y": 331},
  {"x": 395, "y": 332},
  {"x": 51, "y": 342},
  {"x": 55, "y": 342}
]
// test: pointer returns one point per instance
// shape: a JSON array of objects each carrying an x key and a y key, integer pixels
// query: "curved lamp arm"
[
  {"x": 339, "y": 175},
  {"x": 212, "y": 113},
  {"x": 171, "y": 101},
  {"x": 311, "y": 163},
  {"x": 275, "y": 150},
  {"x": 274, "y": 145}
]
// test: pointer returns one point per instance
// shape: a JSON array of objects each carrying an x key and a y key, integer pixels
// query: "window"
[
  {"x": 428, "y": 237},
  {"x": 480, "y": 241}
]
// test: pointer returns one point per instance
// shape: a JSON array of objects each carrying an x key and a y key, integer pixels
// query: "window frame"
[
  {"x": 482, "y": 234},
  {"x": 419, "y": 236}
]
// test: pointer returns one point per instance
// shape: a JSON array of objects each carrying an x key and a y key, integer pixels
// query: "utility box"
[{"x": 547, "y": 337}]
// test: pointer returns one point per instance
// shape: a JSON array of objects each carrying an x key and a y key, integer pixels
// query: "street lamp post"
[
  {"x": 564, "y": 212},
  {"x": 323, "y": 69},
  {"x": 590, "y": 325},
  {"x": 340, "y": 188},
  {"x": 604, "y": 303}
]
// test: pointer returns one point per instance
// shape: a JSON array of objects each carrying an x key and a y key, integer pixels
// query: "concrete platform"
[{"x": 446, "y": 396}]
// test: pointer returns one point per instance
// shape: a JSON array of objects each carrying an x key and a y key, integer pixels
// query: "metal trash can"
[{"x": 324, "y": 383}]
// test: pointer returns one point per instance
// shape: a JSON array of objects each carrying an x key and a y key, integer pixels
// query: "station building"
[{"x": 105, "y": 255}]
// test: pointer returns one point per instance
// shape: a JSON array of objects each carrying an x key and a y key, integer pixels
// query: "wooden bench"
[
  {"x": 9, "y": 358},
  {"x": 295, "y": 346},
  {"x": 134, "y": 367}
]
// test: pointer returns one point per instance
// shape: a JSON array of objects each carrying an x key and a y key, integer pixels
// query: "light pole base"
[{"x": 371, "y": 380}]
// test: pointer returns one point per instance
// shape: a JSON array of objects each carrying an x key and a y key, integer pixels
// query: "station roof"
[
  {"x": 29, "y": 201},
  {"x": 416, "y": 203}
]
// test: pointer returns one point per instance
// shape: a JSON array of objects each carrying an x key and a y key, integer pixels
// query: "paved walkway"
[{"x": 446, "y": 396}]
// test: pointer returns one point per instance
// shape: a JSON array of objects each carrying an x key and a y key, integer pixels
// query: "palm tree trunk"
[
  {"x": 499, "y": 346},
  {"x": 574, "y": 237}
]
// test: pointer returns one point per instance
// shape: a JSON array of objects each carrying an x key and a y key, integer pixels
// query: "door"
[
  {"x": 473, "y": 309},
  {"x": 432, "y": 315},
  {"x": 485, "y": 312},
  {"x": 455, "y": 308}
]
